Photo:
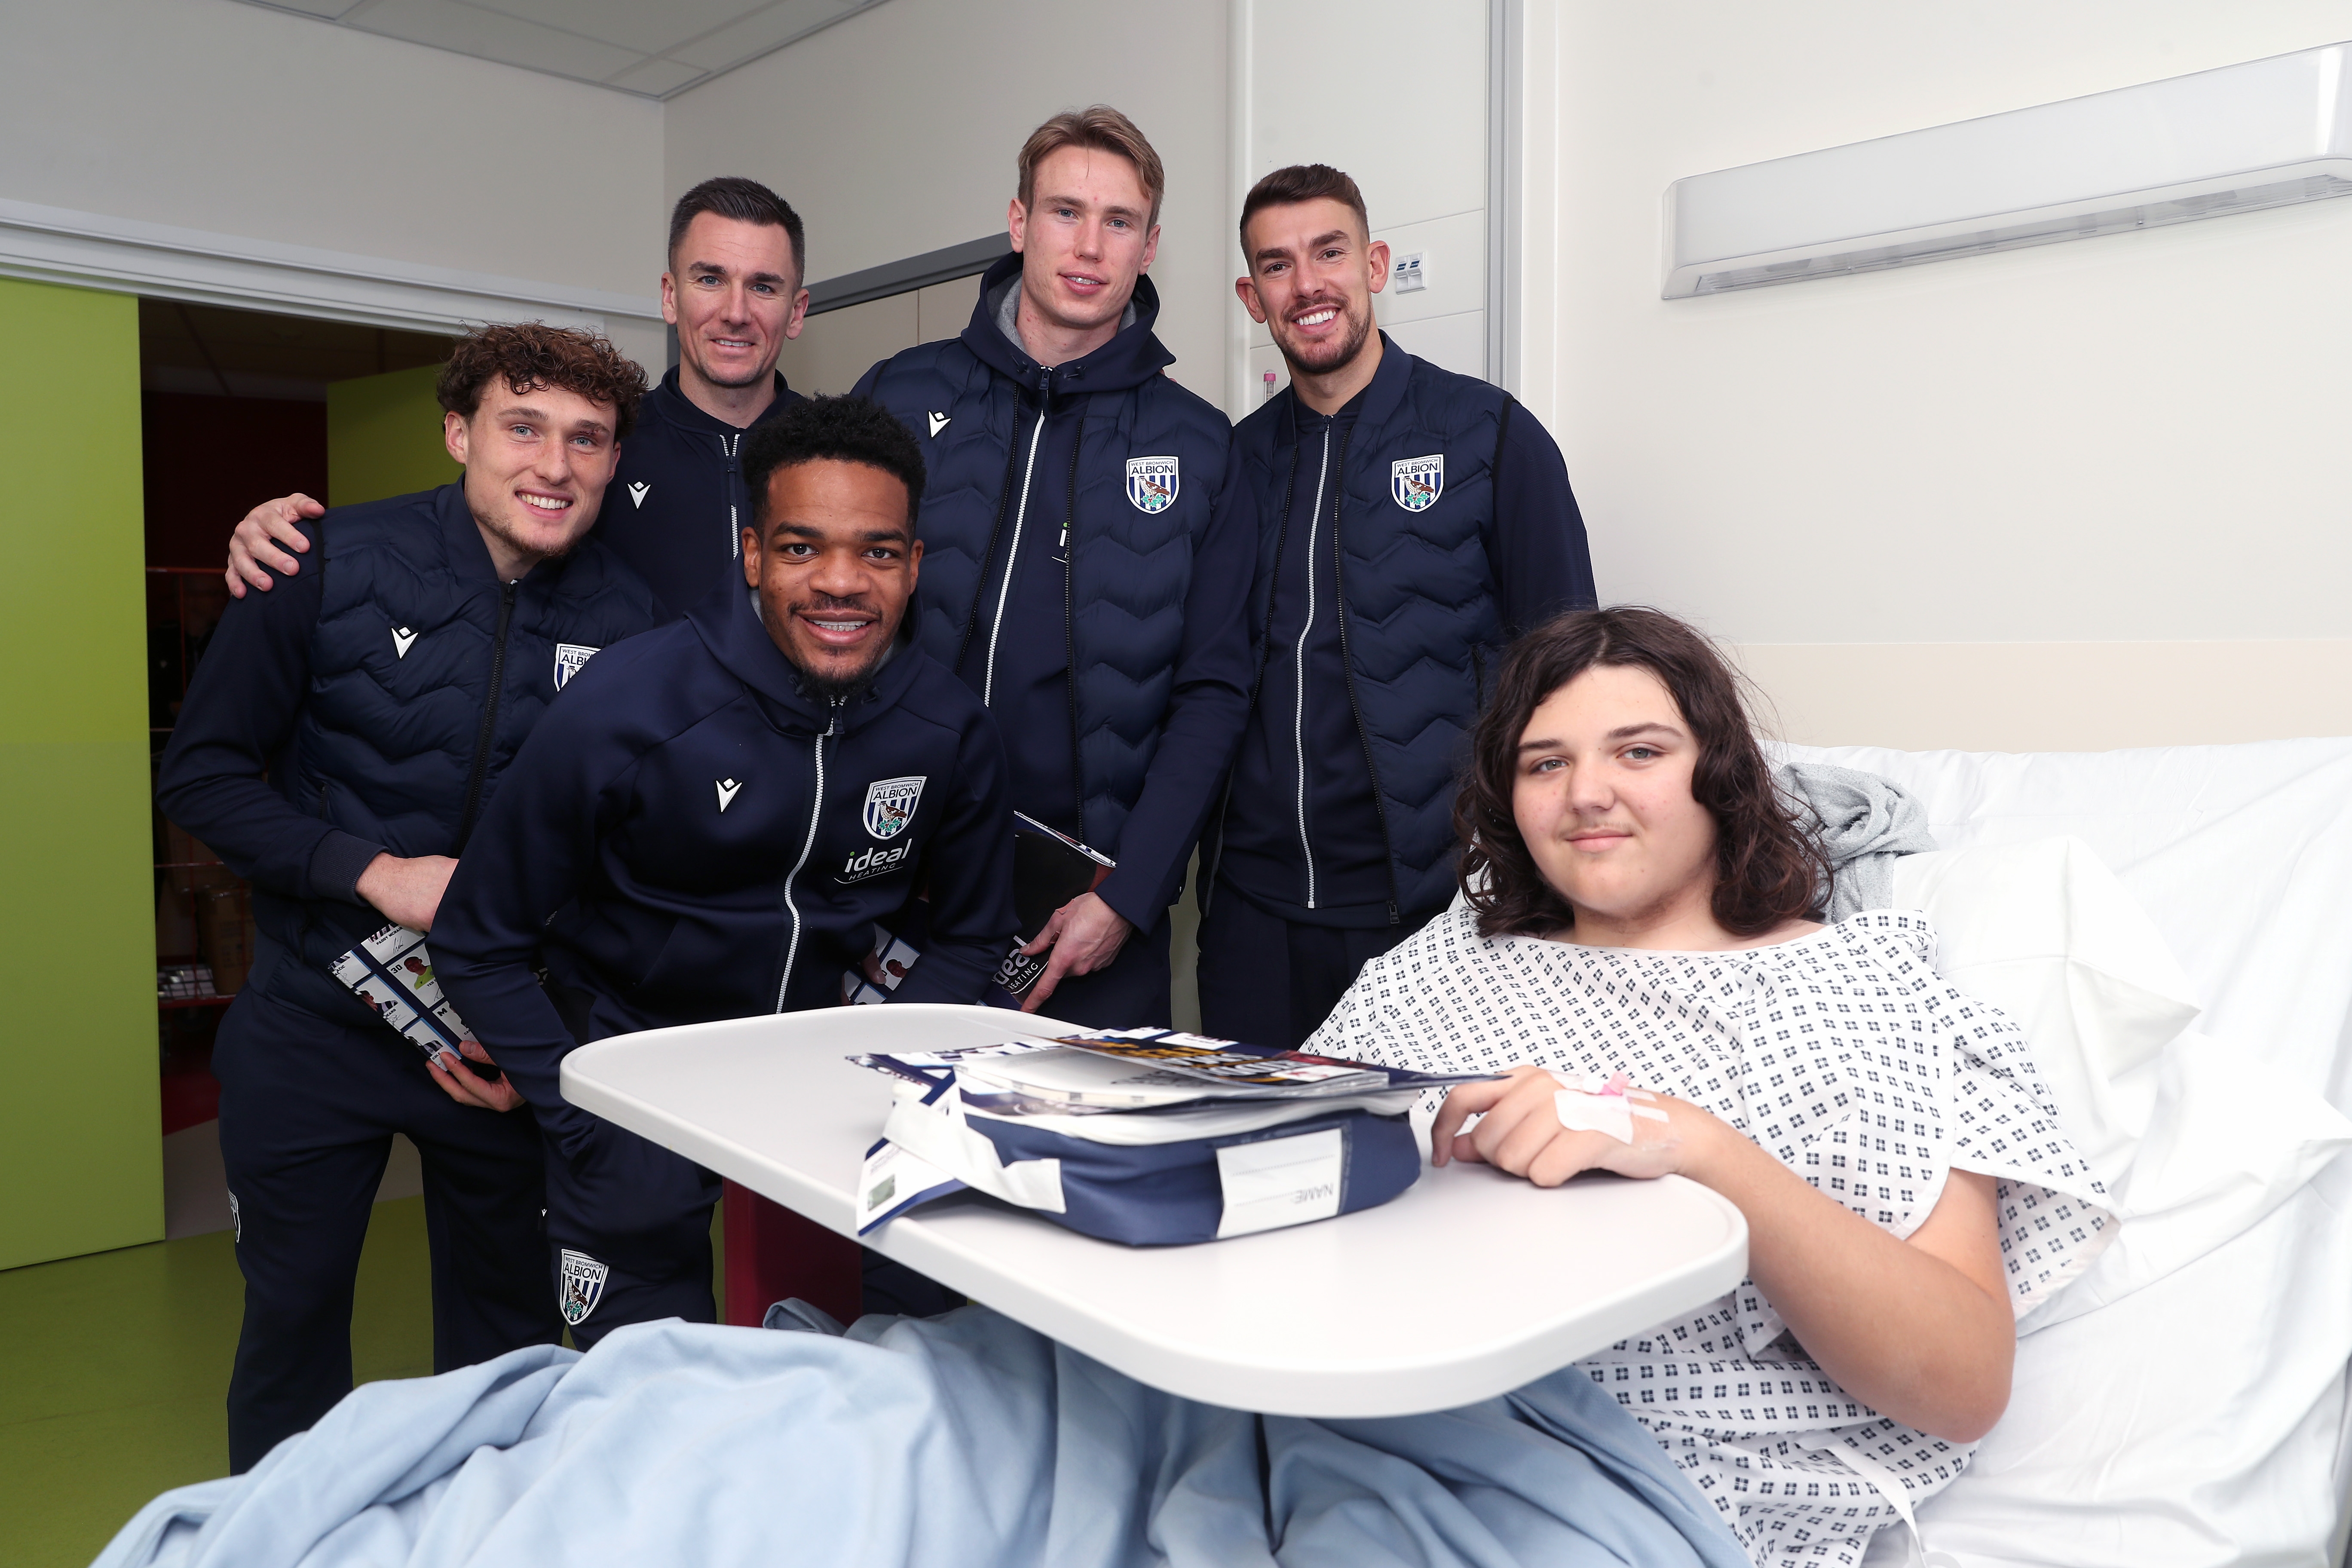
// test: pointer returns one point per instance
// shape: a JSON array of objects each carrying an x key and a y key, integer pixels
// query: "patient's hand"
[{"x": 1521, "y": 1133}]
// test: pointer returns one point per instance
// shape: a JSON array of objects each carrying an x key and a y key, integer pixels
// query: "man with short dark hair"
[
  {"x": 1085, "y": 564},
  {"x": 734, "y": 292},
  {"x": 1412, "y": 521},
  {"x": 711, "y": 829},
  {"x": 338, "y": 745}
]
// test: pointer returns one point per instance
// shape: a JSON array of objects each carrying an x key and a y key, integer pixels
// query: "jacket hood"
[
  {"x": 668, "y": 403},
  {"x": 727, "y": 621},
  {"x": 1132, "y": 357}
]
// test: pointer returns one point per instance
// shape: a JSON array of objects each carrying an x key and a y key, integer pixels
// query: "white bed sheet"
[{"x": 2203, "y": 1420}]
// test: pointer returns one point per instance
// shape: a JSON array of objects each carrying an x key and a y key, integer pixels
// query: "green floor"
[{"x": 117, "y": 1363}]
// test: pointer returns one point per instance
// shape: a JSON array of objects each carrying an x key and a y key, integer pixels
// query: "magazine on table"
[{"x": 1142, "y": 1070}]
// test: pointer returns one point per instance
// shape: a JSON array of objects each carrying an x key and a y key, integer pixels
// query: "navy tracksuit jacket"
[
  {"x": 1085, "y": 563},
  {"x": 689, "y": 836},
  {"x": 368, "y": 704},
  {"x": 675, "y": 511},
  {"x": 1404, "y": 541}
]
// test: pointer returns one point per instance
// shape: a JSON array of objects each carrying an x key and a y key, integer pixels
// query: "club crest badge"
[
  {"x": 1151, "y": 483},
  {"x": 570, "y": 659},
  {"x": 1417, "y": 482},
  {"x": 890, "y": 805},
  {"x": 579, "y": 1286}
]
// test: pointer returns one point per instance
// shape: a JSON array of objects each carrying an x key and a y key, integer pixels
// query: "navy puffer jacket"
[
  {"x": 413, "y": 686},
  {"x": 1421, "y": 621},
  {"x": 1131, "y": 562}
]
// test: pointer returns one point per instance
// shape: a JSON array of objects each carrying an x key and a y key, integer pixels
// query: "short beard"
[
  {"x": 841, "y": 689},
  {"x": 1360, "y": 330}
]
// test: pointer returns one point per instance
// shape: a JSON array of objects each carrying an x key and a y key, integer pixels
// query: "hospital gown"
[{"x": 1847, "y": 1057}]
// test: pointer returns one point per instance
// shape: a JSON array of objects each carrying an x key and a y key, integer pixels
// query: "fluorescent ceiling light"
[{"x": 2266, "y": 133}]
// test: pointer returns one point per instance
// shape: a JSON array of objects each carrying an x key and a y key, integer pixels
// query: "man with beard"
[
  {"x": 337, "y": 747},
  {"x": 1086, "y": 564},
  {"x": 709, "y": 829},
  {"x": 1412, "y": 522},
  {"x": 737, "y": 262}
]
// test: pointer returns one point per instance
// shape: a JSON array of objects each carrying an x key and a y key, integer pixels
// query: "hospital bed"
[{"x": 2185, "y": 1403}]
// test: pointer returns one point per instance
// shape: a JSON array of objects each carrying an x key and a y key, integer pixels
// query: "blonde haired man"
[{"x": 1084, "y": 564}]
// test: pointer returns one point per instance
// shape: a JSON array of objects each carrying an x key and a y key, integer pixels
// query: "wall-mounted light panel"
[{"x": 2263, "y": 134}]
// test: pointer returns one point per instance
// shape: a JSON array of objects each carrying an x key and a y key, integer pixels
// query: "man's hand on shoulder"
[
  {"x": 408, "y": 892},
  {"x": 1086, "y": 934},
  {"x": 253, "y": 549}
]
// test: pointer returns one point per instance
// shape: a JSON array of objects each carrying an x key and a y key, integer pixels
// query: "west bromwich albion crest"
[
  {"x": 890, "y": 805},
  {"x": 1151, "y": 483},
  {"x": 570, "y": 660},
  {"x": 579, "y": 1286},
  {"x": 1417, "y": 482}
]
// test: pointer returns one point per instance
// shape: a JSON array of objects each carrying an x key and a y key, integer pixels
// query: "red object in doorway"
[{"x": 773, "y": 1254}]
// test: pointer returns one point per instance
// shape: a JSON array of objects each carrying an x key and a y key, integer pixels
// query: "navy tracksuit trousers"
[{"x": 309, "y": 1106}]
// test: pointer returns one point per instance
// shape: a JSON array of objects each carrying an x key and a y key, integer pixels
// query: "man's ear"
[
  {"x": 1376, "y": 254},
  {"x": 1017, "y": 221},
  {"x": 914, "y": 565},
  {"x": 453, "y": 435},
  {"x": 670, "y": 298},
  {"x": 1245, "y": 290},
  {"x": 751, "y": 554}
]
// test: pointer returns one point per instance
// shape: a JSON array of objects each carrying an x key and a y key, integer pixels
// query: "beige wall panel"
[
  {"x": 894, "y": 134},
  {"x": 944, "y": 309},
  {"x": 2053, "y": 696},
  {"x": 2125, "y": 439},
  {"x": 834, "y": 349}
]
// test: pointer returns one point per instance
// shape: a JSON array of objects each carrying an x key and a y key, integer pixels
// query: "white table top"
[{"x": 1469, "y": 1285}]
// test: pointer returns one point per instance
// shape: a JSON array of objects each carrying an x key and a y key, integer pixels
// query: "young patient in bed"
[
  {"x": 1636, "y": 921},
  {"x": 1635, "y": 910}
]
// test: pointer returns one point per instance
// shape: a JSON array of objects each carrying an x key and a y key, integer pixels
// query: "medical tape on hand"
[{"x": 1586, "y": 1103}]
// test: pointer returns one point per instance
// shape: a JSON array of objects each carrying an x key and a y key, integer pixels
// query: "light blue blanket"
[{"x": 965, "y": 1441}]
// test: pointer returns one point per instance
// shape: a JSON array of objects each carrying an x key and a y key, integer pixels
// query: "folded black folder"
[{"x": 1049, "y": 869}]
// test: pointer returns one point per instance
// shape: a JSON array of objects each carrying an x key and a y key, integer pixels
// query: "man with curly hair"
[{"x": 338, "y": 745}]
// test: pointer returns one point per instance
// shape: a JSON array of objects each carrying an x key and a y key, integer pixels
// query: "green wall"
[
  {"x": 80, "y": 1129},
  {"x": 383, "y": 437}
]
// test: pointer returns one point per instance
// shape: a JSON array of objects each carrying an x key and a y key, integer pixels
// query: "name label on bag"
[{"x": 1276, "y": 1182}]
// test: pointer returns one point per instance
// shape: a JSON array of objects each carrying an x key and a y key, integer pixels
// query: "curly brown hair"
[
  {"x": 1768, "y": 867},
  {"x": 530, "y": 355}
]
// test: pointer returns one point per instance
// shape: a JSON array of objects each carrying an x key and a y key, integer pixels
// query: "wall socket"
[{"x": 1410, "y": 274}]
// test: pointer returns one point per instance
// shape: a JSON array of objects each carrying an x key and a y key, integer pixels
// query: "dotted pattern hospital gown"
[{"x": 1860, "y": 1069}]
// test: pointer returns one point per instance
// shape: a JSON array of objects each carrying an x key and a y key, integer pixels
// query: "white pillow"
[
  {"x": 2044, "y": 932},
  {"x": 2194, "y": 1148}
]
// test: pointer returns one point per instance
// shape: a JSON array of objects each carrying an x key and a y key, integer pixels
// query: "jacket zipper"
[
  {"x": 489, "y": 718},
  {"x": 1070, "y": 559},
  {"x": 732, "y": 447},
  {"x": 817, "y": 811},
  {"x": 1298, "y": 678},
  {"x": 1013, "y": 554},
  {"x": 1363, "y": 733}
]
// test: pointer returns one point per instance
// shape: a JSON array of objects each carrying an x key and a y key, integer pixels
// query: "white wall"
[
  {"x": 2114, "y": 452},
  {"x": 894, "y": 132},
  {"x": 211, "y": 115},
  {"x": 1395, "y": 92}
]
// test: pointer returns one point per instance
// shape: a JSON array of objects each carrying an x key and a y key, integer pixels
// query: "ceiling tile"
[
  {"x": 486, "y": 35},
  {"x": 330, "y": 9},
  {"x": 771, "y": 28},
  {"x": 650, "y": 29},
  {"x": 655, "y": 79}
]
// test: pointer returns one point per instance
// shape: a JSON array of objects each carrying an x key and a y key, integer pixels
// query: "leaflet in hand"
[{"x": 391, "y": 971}]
